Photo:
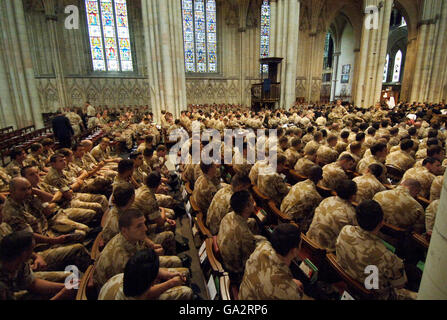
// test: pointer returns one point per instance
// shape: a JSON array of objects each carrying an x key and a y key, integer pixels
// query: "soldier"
[
  {"x": 325, "y": 156},
  {"x": 35, "y": 158},
  {"x": 436, "y": 187},
  {"x": 272, "y": 184},
  {"x": 143, "y": 279},
  {"x": 431, "y": 167},
  {"x": 17, "y": 156},
  {"x": 148, "y": 144},
  {"x": 138, "y": 173},
  {"x": 402, "y": 158},
  {"x": 335, "y": 172},
  {"x": 102, "y": 152},
  {"x": 267, "y": 274},
  {"x": 47, "y": 152},
  {"x": 125, "y": 174},
  {"x": 332, "y": 215},
  {"x": 400, "y": 206},
  {"x": 146, "y": 202},
  {"x": 15, "y": 272},
  {"x": 57, "y": 178},
  {"x": 24, "y": 211},
  {"x": 4, "y": 181},
  {"x": 235, "y": 240},
  {"x": 116, "y": 253},
  {"x": 304, "y": 164},
  {"x": 75, "y": 121},
  {"x": 293, "y": 153},
  {"x": 205, "y": 187},
  {"x": 378, "y": 155},
  {"x": 301, "y": 201},
  {"x": 368, "y": 184},
  {"x": 358, "y": 247}
]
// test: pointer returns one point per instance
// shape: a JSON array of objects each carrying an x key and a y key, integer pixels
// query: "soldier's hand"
[
  {"x": 159, "y": 250},
  {"x": 39, "y": 263},
  {"x": 177, "y": 281}
]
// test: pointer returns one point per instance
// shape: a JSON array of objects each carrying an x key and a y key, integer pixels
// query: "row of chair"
[{"x": 6, "y": 130}]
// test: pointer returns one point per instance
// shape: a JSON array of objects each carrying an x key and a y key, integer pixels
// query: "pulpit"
[{"x": 267, "y": 94}]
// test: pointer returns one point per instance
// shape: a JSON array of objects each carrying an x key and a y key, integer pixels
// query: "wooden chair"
[
  {"x": 87, "y": 290},
  {"x": 194, "y": 206},
  {"x": 295, "y": 177},
  {"x": 312, "y": 251},
  {"x": 97, "y": 247},
  {"x": 354, "y": 287},
  {"x": 203, "y": 230},
  {"x": 260, "y": 198},
  {"x": 280, "y": 216},
  {"x": 420, "y": 240},
  {"x": 325, "y": 192},
  {"x": 394, "y": 235},
  {"x": 188, "y": 188},
  {"x": 423, "y": 201},
  {"x": 393, "y": 173}
]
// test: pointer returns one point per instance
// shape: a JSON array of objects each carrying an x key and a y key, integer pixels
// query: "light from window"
[
  {"x": 385, "y": 70},
  {"x": 108, "y": 27},
  {"x": 397, "y": 65},
  {"x": 200, "y": 35},
  {"x": 265, "y": 32}
]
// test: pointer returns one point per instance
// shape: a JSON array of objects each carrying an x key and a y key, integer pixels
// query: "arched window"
[
  {"x": 199, "y": 35},
  {"x": 265, "y": 32},
  {"x": 108, "y": 28},
  {"x": 385, "y": 70},
  {"x": 328, "y": 51},
  {"x": 397, "y": 66}
]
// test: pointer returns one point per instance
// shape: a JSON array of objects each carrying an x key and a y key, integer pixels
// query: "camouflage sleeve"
[
  {"x": 393, "y": 269},
  {"x": 18, "y": 223},
  {"x": 430, "y": 215},
  {"x": 281, "y": 186}
]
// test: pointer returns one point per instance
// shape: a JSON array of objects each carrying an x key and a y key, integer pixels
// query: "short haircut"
[
  {"x": 376, "y": 169},
  {"x": 377, "y": 147},
  {"x": 433, "y": 150},
  {"x": 315, "y": 173},
  {"x": 432, "y": 133},
  {"x": 332, "y": 137},
  {"x": 284, "y": 238},
  {"x": 412, "y": 183},
  {"x": 412, "y": 131},
  {"x": 47, "y": 142},
  {"x": 281, "y": 159},
  {"x": 346, "y": 157},
  {"x": 394, "y": 131},
  {"x": 432, "y": 142},
  {"x": 125, "y": 165},
  {"x": 239, "y": 201},
  {"x": 134, "y": 155},
  {"x": 371, "y": 131},
  {"x": 35, "y": 147},
  {"x": 65, "y": 152},
  {"x": 239, "y": 180},
  {"x": 345, "y": 189},
  {"x": 76, "y": 146},
  {"x": 205, "y": 167},
  {"x": 406, "y": 144},
  {"x": 153, "y": 180},
  {"x": 355, "y": 146},
  {"x": 161, "y": 148},
  {"x": 344, "y": 134},
  {"x": 140, "y": 272},
  {"x": 126, "y": 218},
  {"x": 14, "y": 244},
  {"x": 122, "y": 195},
  {"x": 148, "y": 152},
  {"x": 359, "y": 136},
  {"x": 15, "y": 152},
  {"x": 55, "y": 156},
  {"x": 105, "y": 140},
  {"x": 24, "y": 169},
  {"x": 429, "y": 160},
  {"x": 369, "y": 214},
  {"x": 384, "y": 123},
  {"x": 296, "y": 142},
  {"x": 283, "y": 139}
]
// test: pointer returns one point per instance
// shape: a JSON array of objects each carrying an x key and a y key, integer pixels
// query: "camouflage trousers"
[
  {"x": 69, "y": 220},
  {"x": 165, "y": 201},
  {"x": 97, "y": 185},
  {"x": 58, "y": 258},
  {"x": 177, "y": 293},
  {"x": 96, "y": 202},
  {"x": 170, "y": 262},
  {"x": 166, "y": 239}
]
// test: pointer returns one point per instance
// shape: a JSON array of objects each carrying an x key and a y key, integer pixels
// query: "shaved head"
[{"x": 17, "y": 183}]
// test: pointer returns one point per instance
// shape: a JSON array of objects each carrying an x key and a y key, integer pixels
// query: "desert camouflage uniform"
[
  {"x": 90, "y": 185},
  {"x": 254, "y": 171},
  {"x": 267, "y": 277},
  {"x": 35, "y": 161},
  {"x": 436, "y": 187},
  {"x": 401, "y": 209},
  {"x": 424, "y": 177},
  {"x": 400, "y": 159},
  {"x": 139, "y": 175},
  {"x": 367, "y": 187},
  {"x": 300, "y": 203},
  {"x": 146, "y": 202},
  {"x": 330, "y": 217},
  {"x": 333, "y": 174},
  {"x": 273, "y": 186},
  {"x": 111, "y": 226},
  {"x": 430, "y": 215},
  {"x": 21, "y": 280},
  {"x": 113, "y": 290},
  {"x": 117, "y": 252},
  {"x": 292, "y": 156},
  {"x": 204, "y": 191},
  {"x": 341, "y": 146},
  {"x": 236, "y": 242},
  {"x": 95, "y": 202},
  {"x": 219, "y": 207},
  {"x": 303, "y": 166},
  {"x": 4, "y": 180},
  {"x": 356, "y": 249},
  {"x": 13, "y": 169},
  {"x": 326, "y": 155},
  {"x": 75, "y": 121},
  {"x": 366, "y": 161}
]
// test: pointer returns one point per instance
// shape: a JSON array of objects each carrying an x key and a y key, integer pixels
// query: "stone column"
[
  {"x": 284, "y": 44},
  {"x": 164, "y": 52},
  {"x": 335, "y": 75},
  {"x": 434, "y": 279},
  {"x": 17, "y": 76},
  {"x": 372, "y": 55},
  {"x": 51, "y": 18}
]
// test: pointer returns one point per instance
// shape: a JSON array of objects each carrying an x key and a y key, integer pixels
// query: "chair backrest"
[
  {"x": 394, "y": 173},
  {"x": 325, "y": 192},
  {"x": 204, "y": 231},
  {"x": 277, "y": 213},
  {"x": 295, "y": 177},
  {"x": 260, "y": 198},
  {"x": 420, "y": 240},
  {"x": 97, "y": 247},
  {"x": 393, "y": 231},
  {"x": 188, "y": 188},
  {"x": 353, "y": 285},
  {"x": 312, "y": 251},
  {"x": 86, "y": 289},
  {"x": 194, "y": 206}
]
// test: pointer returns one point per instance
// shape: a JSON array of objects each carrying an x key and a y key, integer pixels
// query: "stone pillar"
[
  {"x": 51, "y": 18},
  {"x": 164, "y": 52},
  {"x": 374, "y": 44},
  {"x": 19, "y": 100},
  {"x": 335, "y": 75},
  {"x": 434, "y": 279},
  {"x": 284, "y": 44}
]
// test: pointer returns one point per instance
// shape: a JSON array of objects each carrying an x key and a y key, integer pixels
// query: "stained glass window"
[
  {"x": 108, "y": 27},
  {"x": 397, "y": 66},
  {"x": 265, "y": 32},
  {"x": 200, "y": 35},
  {"x": 385, "y": 70}
]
